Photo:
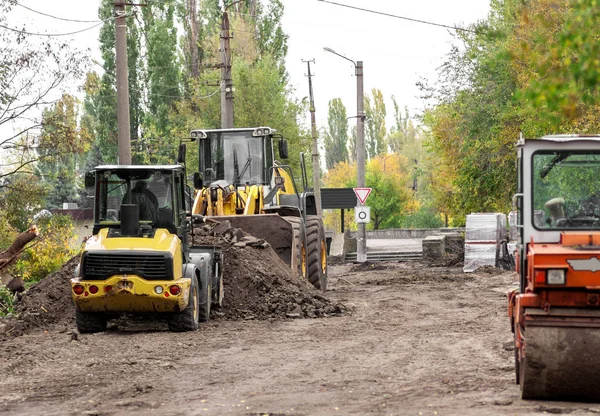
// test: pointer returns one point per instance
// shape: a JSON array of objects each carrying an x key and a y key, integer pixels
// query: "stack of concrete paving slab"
[{"x": 483, "y": 235}]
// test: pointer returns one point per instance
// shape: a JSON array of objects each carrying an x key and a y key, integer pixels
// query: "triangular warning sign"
[{"x": 362, "y": 194}]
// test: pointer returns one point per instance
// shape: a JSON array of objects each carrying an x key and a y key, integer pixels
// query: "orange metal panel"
[
  {"x": 550, "y": 256},
  {"x": 578, "y": 238}
]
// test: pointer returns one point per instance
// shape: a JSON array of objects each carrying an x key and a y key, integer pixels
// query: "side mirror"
[
  {"x": 181, "y": 154},
  {"x": 198, "y": 180},
  {"x": 90, "y": 179},
  {"x": 283, "y": 148}
]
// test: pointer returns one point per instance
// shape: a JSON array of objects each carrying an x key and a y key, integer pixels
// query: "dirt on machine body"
[
  {"x": 239, "y": 180},
  {"x": 555, "y": 315}
]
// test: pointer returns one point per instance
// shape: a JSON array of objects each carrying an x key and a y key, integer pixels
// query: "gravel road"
[{"x": 415, "y": 340}]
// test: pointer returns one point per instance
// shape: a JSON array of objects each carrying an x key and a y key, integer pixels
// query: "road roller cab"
[{"x": 555, "y": 313}]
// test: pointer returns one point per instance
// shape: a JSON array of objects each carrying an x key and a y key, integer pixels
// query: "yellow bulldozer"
[{"x": 240, "y": 180}]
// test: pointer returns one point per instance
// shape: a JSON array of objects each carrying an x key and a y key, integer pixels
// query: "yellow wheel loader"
[
  {"x": 138, "y": 259},
  {"x": 555, "y": 314},
  {"x": 239, "y": 180}
]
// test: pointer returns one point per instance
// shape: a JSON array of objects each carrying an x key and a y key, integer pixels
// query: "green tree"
[
  {"x": 375, "y": 112},
  {"x": 58, "y": 167},
  {"x": 336, "y": 137}
]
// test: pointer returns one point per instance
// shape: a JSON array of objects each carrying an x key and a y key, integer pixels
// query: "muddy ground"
[{"x": 414, "y": 340}]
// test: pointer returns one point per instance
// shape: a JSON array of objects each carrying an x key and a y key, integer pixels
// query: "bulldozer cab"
[
  {"x": 237, "y": 156},
  {"x": 157, "y": 192}
]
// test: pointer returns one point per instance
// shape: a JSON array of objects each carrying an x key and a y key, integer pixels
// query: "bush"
[
  {"x": 50, "y": 251},
  {"x": 425, "y": 217},
  {"x": 6, "y": 302},
  {"x": 7, "y": 232}
]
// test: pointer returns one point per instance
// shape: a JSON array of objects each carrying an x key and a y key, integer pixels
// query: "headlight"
[{"x": 555, "y": 277}]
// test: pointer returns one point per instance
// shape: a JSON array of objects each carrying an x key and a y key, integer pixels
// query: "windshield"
[
  {"x": 235, "y": 157},
  {"x": 151, "y": 191},
  {"x": 566, "y": 190}
]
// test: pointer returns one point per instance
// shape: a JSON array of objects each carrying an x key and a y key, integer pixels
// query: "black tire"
[
  {"x": 218, "y": 292},
  {"x": 517, "y": 367},
  {"x": 204, "y": 300},
  {"x": 299, "y": 250},
  {"x": 90, "y": 322},
  {"x": 316, "y": 247},
  {"x": 187, "y": 320}
]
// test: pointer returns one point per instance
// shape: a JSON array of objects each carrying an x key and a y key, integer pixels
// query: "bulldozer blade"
[{"x": 561, "y": 363}]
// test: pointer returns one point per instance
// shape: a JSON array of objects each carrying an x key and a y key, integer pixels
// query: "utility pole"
[
  {"x": 315, "y": 144},
  {"x": 124, "y": 139},
  {"x": 361, "y": 243},
  {"x": 226, "y": 81},
  {"x": 193, "y": 14}
]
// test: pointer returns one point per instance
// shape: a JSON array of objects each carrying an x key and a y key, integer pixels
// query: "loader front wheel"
[
  {"x": 317, "y": 252},
  {"x": 90, "y": 322},
  {"x": 187, "y": 320},
  {"x": 298, "y": 249}
]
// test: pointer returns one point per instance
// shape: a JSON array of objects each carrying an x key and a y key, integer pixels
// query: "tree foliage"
[
  {"x": 336, "y": 136},
  {"x": 530, "y": 68},
  {"x": 375, "y": 134},
  {"x": 390, "y": 199},
  {"x": 33, "y": 75}
]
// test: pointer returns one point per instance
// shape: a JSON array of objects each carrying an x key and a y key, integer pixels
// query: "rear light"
[
  {"x": 556, "y": 277},
  {"x": 158, "y": 290},
  {"x": 107, "y": 288},
  {"x": 78, "y": 289},
  {"x": 93, "y": 289},
  {"x": 175, "y": 290},
  {"x": 540, "y": 276}
]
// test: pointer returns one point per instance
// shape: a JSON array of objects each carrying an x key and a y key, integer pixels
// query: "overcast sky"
[{"x": 396, "y": 53}]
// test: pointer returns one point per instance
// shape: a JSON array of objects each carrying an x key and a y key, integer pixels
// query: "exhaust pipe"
[{"x": 130, "y": 220}]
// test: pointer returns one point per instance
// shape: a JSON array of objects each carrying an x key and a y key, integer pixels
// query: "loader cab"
[
  {"x": 237, "y": 156},
  {"x": 155, "y": 194}
]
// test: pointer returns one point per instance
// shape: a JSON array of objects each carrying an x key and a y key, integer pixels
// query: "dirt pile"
[
  {"x": 46, "y": 303},
  {"x": 257, "y": 285}
]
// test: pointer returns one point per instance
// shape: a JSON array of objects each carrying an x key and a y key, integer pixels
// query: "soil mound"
[
  {"x": 257, "y": 285},
  {"x": 47, "y": 302}
]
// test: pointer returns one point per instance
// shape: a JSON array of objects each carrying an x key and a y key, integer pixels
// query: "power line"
[
  {"x": 401, "y": 17},
  {"x": 50, "y": 34},
  {"x": 55, "y": 17}
]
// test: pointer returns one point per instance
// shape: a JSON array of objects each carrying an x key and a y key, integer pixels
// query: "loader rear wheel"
[
  {"x": 317, "y": 252},
  {"x": 90, "y": 322},
  {"x": 187, "y": 320},
  {"x": 205, "y": 301}
]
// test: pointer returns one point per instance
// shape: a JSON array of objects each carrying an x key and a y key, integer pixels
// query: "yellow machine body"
[{"x": 126, "y": 292}]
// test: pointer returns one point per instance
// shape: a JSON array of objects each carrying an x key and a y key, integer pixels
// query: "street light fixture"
[{"x": 361, "y": 249}]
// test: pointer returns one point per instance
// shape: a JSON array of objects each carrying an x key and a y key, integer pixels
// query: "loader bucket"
[
  {"x": 274, "y": 229},
  {"x": 561, "y": 359}
]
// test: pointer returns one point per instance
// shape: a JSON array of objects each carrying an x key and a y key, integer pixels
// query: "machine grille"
[{"x": 150, "y": 266}]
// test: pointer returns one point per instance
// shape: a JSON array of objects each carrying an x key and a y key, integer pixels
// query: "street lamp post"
[{"x": 361, "y": 246}]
